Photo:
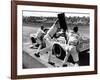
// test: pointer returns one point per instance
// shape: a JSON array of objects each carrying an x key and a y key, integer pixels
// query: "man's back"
[{"x": 73, "y": 37}]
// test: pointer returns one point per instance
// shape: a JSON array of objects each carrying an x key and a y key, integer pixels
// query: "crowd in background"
[{"x": 48, "y": 21}]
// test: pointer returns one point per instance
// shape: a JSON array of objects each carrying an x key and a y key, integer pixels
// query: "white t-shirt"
[
  {"x": 73, "y": 38},
  {"x": 40, "y": 33}
]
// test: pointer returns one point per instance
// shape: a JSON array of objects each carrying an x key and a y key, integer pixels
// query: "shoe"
[
  {"x": 52, "y": 63},
  {"x": 76, "y": 65},
  {"x": 64, "y": 65},
  {"x": 37, "y": 54}
]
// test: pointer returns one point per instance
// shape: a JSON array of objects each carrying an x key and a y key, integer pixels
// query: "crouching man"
[{"x": 37, "y": 40}]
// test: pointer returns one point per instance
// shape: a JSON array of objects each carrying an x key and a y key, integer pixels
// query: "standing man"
[{"x": 71, "y": 48}]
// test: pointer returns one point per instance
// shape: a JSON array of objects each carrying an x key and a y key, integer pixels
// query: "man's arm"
[{"x": 55, "y": 22}]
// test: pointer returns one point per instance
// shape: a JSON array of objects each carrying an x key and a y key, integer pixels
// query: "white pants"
[
  {"x": 71, "y": 50},
  {"x": 47, "y": 40}
]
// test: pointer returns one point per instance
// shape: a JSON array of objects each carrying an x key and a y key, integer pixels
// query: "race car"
[{"x": 58, "y": 48}]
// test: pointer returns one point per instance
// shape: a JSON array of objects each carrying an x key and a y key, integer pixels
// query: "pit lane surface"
[
  {"x": 31, "y": 61},
  {"x": 41, "y": 62}
]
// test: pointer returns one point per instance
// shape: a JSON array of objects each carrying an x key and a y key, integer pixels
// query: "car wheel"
[{"x": 58, "y": 51}]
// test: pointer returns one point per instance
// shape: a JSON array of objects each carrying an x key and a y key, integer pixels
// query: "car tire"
[{"x": 58, "y": 51}]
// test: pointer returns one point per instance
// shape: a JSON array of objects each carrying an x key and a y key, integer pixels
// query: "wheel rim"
[{"x": 57, "y": 50}]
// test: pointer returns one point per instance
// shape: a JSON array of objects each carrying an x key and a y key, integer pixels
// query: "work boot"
[
  {"x": 37, "y": 54},
  {"x": 52, "y": 63},
  {"x": 64, "y": 65}
]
